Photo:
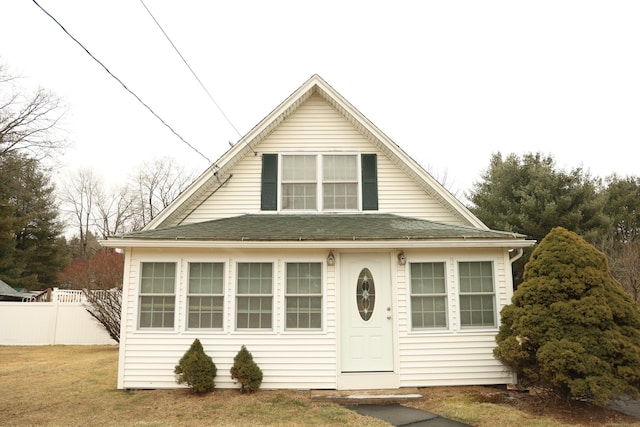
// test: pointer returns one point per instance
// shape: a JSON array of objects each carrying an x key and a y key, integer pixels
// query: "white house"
[{"x": 325, "y": 249}]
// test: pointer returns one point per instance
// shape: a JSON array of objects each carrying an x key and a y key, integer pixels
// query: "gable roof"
[
  {"x": 339, "y": 229},
  {"x": 217, "y": 174}
]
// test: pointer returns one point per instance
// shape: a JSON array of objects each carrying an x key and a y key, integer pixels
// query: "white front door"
[{"x": 366, "y": 332}]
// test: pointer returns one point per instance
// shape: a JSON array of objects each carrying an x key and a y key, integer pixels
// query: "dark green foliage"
[
  {"x": 32, "y": 248},
  {"x": 246, "y": 371},
  {"x": 623, "y": 207},
  {"x": 196, "y": 369},
  {"x": 571, "y": 327},
  {"x": 528, "y": 194}
]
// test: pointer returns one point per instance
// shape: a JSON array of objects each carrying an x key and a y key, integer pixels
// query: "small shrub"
[
  {"x": 196, "y": 369},
  {"x": 246, "y": 371}
]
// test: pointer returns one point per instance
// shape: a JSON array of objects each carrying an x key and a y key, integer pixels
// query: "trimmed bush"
[
  {"x": 571, "y": 328},
  {"x": 246, "y": 371},
  {"x": 196, "y": 369}
]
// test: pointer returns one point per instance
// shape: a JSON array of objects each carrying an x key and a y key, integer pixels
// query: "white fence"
[{"x": 62, "y": 321}]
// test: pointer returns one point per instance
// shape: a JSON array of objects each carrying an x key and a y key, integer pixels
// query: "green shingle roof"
[{"x": 319, "y": 227}]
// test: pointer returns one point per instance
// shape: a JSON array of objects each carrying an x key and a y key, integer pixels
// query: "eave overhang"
[{"x": 315, "y": 244}]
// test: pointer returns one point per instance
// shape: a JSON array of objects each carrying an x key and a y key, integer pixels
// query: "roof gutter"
[{"x": 309, "y": 244}]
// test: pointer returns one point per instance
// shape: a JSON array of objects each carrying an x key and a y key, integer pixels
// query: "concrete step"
[{"x": 366, "y": 397}]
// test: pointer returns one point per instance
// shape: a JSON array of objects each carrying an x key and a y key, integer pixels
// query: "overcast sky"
[{"x": 451, "y": 82}]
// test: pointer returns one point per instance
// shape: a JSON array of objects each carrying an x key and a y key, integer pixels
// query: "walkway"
[{"x": 386, "y": 405}]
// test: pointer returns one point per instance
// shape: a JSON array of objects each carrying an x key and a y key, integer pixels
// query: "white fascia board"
[{"x": 310, "y": 244}]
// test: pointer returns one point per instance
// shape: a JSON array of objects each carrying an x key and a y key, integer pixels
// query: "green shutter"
[
  {"x": 369, "y": 182},
  {"x": 269, "y": 191}
]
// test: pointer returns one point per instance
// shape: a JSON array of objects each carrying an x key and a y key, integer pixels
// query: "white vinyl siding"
[
  {"x": 311, "y": 129},
  {"x": 148, "y": 357},
  {"x": 428, "y": 357},
  {"x": 457, "y": 355}
]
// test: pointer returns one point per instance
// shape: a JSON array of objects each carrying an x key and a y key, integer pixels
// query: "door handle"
[{"x": 388, "y": 312}]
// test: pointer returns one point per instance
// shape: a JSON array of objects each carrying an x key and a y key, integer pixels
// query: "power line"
[
  {"x": 190, "y": 69},
  {"x": 121, "y": 82}
]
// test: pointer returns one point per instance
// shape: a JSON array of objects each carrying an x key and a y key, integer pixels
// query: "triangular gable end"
[{"x": 217, "y": 174}]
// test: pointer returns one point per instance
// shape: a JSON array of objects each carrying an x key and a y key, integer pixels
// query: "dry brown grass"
[{"x": 76, "y": 385}]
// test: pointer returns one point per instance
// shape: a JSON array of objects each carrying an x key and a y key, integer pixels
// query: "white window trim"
[
  {"x": 233, "y": 301},
  {"x": 319, "y": 181},
  {"x": 449, "y": 286},
  {"x": 282, "y": 300},
  {"x": 176, "y": 293},
  {"x": 496, "y": 314},
  {"x": 225, "y": 291},
  {"x": 447, "y": 296}
]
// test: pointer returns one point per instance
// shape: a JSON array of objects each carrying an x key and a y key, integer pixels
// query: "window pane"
[
  {"x": 255, "y": 278},
  {"x": 299, "y": 196},
  {"x": 340, "y": 196},
  {"x": 299, "y": 168},
  {"x": 157, "y": 277},
  {"x": 340, "y": 182},
  {"x": 303, "y": 295},
  {"x": 206, "y": 278},
  {"x": 254, "y": 311},
  {"x": 477, "y": 294},
  {"x": 428, "y": 295},
  {"x": 428, "y": 312},
  {"x": 157, "y": 298},
  {"x": 304, "y": 278},
  {"x": 304, "y": 313},
  {"x": 427, "y": 278},
  {"x": 476, "y": 276},
  {"x": 339, "y": 168},
  {"x": 157, "y": 312},
  {"x": 205, "y": 312},
  {"x": 477, "y": 310}
]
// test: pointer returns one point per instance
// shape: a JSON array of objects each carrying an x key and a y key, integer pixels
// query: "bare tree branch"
[{"x": 29, "y": 123}]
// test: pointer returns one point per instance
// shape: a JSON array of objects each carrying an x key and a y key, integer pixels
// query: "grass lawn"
[{"x": 76, "y": 385}]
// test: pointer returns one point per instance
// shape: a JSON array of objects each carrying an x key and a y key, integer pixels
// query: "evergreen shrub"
[
  {"x": 196, "y": 369},
  {"x": 246, "y": 371},
  {"x": 571, "y": 328}
]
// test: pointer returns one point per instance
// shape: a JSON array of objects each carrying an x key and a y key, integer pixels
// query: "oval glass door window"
[{"x": 365, "y": 294}]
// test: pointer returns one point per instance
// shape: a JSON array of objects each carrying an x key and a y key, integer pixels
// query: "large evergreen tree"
[
  {"x": 32, "y": 249},
  {"x": 571, "y": 327},
  {"x": 530, "y": 195}
]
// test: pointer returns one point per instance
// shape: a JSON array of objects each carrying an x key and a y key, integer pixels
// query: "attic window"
[{"x": 319, "y": 182}]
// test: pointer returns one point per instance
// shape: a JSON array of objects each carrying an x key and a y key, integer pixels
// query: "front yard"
[{"x": 76, "y": 385}]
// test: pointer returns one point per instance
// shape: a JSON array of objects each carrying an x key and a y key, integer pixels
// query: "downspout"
[{"x": 517, "y": 256}]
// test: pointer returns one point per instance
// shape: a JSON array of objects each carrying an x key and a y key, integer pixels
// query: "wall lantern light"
[
  {"x": 402, "y": 259},
  {"x": 331, "y": 259}
]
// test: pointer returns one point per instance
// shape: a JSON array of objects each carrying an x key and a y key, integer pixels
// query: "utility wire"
[
  {"x": 121, "y": 83},
  {"x": 190, "y": 69}
]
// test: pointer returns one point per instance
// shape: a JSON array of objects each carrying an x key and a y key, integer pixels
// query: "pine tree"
[
  {"x": 196, "y": 369},
  {"x": 246, "y": 371},
  {"x": 571, "y": 328}
]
